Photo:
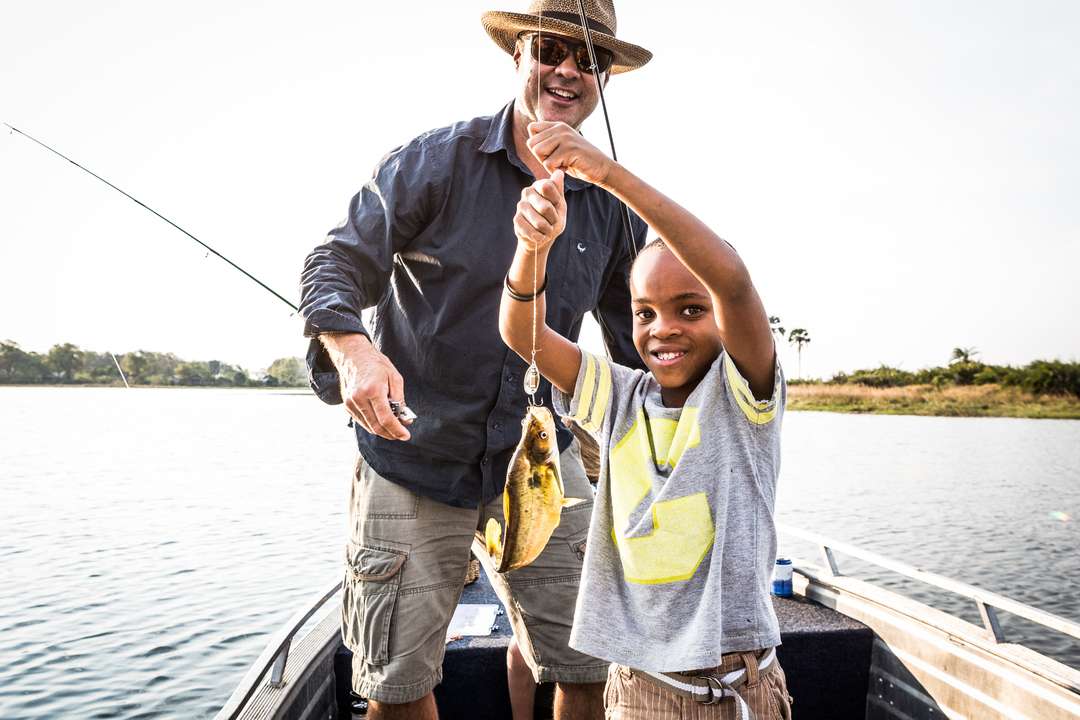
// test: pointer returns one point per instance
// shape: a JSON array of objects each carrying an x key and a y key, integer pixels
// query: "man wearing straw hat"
[{"x": 427, "y": 242}]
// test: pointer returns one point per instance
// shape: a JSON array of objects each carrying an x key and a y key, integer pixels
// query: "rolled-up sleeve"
[{"x": 351, "y": 270}]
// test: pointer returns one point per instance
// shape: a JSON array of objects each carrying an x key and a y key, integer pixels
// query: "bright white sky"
[{"x": 901, "y": 177}]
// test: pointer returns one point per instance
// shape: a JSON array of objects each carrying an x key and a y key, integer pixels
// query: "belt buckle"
[{"x": 716, "y": 690}]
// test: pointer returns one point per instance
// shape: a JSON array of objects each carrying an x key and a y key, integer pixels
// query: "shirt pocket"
[
  {"x": 581, "y": 272},
  {"x": 369, "y": 593}
]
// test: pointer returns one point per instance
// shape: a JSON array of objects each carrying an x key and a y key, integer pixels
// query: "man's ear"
[{"x": 517, "y": 55}]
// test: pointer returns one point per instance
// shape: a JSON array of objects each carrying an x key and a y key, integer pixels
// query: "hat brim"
[{"x": 505, "y": 27}]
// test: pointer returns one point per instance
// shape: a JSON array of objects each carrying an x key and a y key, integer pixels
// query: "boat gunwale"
[{"x": 984, "y": 599}]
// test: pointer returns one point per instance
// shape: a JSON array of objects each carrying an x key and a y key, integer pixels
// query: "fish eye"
[{"x": 543, "y": 434}]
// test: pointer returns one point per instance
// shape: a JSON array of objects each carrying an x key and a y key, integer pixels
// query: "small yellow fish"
[{"x": 533, "y": 498}]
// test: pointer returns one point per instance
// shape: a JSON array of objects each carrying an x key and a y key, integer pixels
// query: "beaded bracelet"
[{"x": 525, "y": 298}]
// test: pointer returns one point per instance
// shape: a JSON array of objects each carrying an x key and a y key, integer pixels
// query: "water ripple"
[{"x": 143, "y": 554}]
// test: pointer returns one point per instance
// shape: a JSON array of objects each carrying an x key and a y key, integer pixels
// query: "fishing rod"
[
  {"x": 135, "y": 200},
  {"x": 400, "y": 410},
  {"x": 587, "y": 31}
]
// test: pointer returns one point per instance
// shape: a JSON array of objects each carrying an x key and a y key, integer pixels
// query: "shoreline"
[
  {"x": 927, "y": 400},
  {"x": 120, "y": 386},
  {"x": 922, "y": 400}
]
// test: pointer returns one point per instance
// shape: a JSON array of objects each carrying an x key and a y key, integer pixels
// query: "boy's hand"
[
  {"x": 541, "y": 213},
  {"x": 560, "y": 147}
]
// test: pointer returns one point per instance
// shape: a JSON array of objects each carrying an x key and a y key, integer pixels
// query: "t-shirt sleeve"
[
  {"x": 599, "y": 381},
  {"x": 758, "y": 412}
]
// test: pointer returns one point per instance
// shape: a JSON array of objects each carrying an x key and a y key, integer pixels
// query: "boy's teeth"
[{"x": 669, "y": 355}]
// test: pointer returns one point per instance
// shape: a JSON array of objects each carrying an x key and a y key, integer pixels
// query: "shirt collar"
[{"x": 500, "y": 136}]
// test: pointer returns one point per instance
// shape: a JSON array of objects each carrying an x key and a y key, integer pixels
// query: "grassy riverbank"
[{"x": 957, "y": 401}]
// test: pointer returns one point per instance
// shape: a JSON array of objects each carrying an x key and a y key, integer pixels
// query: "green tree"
[
  {"x": 20, "y": 366},
  {"x": 963, "y": 355},
  {"x": 288, "y": 371},
  {"x": 225, "y": 374},
  {"x": 161, "y": 368},
  {"x": 194, "y": 373},
  {"x": 97, "y": 368},
  {"x": 135, "y": 365},
  {"x": 64, "y": 361},
  {"x": 775, "y": 326},
  {"x": 799, "y": 337}
]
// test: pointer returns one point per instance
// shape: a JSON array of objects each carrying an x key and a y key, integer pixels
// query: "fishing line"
[
  {"x": 135, "y": 200},
  {"x": 532, "y": 374},
  {"x": 625, "y": 214}
]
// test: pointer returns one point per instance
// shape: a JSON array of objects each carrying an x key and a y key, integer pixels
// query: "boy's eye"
[
  {"x": 693, "y": 310},
  {"x": 644, "y": 314}
]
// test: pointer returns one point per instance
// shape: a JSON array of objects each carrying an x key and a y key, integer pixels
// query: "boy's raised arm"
[
  {"x": 740, "y": 314},
  {"x": 540, "y": 218}
]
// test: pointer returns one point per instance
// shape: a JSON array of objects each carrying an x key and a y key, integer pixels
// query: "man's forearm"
[{"x": 341, "y": 346}]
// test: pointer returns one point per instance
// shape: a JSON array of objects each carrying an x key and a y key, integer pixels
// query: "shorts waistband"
[{"x": 709, "y": 688}]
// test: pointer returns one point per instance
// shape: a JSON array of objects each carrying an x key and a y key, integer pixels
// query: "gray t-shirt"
[{"x": 678, "y": 562}]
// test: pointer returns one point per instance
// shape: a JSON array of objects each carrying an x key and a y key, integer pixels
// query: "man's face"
[
  {"x": 566, "y": 93},
  {"x": 675, "y": 328}
]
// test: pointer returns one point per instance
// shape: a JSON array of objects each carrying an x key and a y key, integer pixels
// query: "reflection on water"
[{"x": 152, "y": 539}]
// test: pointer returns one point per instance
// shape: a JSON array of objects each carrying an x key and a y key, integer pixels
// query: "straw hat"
[{"x": 561, "y": 17}]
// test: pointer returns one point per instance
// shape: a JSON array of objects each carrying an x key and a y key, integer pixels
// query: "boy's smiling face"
[{"x": 675, "y": 329}]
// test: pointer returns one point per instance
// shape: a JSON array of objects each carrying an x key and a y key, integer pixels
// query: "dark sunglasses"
[{"x": 552, "y": 50}]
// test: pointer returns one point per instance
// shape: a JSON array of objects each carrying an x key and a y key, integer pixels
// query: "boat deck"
[
  {"x": 850, "y": 648},
  {"x": 826, "y": 657}
]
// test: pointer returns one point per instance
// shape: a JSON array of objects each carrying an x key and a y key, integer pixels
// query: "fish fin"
[
  {"x": 493, "y": 539},
  {"x": 571, "y": 502}
]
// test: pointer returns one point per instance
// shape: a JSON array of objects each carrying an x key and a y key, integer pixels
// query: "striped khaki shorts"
[
  {"x": 631, "y": 695},
  {"x": 405, "y": 568}
]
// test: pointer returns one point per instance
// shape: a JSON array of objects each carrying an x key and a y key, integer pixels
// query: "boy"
[{"x": 674, "y": 589}]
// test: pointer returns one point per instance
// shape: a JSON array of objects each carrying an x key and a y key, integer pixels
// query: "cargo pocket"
[
  {"x": 369, "y": 592},
  {"x": 776, "y": 687}
]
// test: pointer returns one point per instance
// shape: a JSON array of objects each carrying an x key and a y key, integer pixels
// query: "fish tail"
[{"x": 571, "y": 502}]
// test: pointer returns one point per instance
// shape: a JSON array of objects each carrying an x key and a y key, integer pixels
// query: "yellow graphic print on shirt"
[{"x": 682, "y": 528}]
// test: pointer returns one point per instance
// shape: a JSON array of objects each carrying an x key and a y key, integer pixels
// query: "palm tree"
[
  {"x": 799, "y": 337},
  {"x": 775, "y": 326},
  {"x": 963, "y": 355}
]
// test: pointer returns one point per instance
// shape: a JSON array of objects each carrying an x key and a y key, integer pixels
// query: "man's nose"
[{"x": 568, "y": 66}]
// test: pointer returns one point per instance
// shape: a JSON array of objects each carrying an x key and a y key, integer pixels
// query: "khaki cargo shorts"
[
  {"x": 406, "y": 561},
  {"x": 630, "y": 695}
]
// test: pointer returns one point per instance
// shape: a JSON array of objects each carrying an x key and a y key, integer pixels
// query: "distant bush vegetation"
[
  {"x": 68, "y": 364},
  {"x": 1041, "y": 377}
]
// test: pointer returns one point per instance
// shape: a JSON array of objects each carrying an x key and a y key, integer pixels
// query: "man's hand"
[
  {"x": 560, "y": 147},
  {"x": 368, "y": 382},
  {"x": 541, "y": 213}
]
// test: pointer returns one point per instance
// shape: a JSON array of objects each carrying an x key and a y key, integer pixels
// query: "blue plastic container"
[{"x": 781, "y": 584}]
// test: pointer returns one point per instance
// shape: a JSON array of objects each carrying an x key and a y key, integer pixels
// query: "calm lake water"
[{"x": 151, "y": 540}]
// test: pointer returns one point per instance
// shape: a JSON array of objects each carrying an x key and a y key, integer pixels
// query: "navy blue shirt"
[{"x": 427, "y": 243}]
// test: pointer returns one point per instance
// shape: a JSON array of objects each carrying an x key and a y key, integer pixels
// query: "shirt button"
[
  {"x": 495, "y": 426},
  {"x": 484, "y": 462}
]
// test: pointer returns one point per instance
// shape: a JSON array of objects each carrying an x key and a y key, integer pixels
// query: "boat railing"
[
  {"x": 275, "y": 656},
  {"x": 988, "y": 603}
]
